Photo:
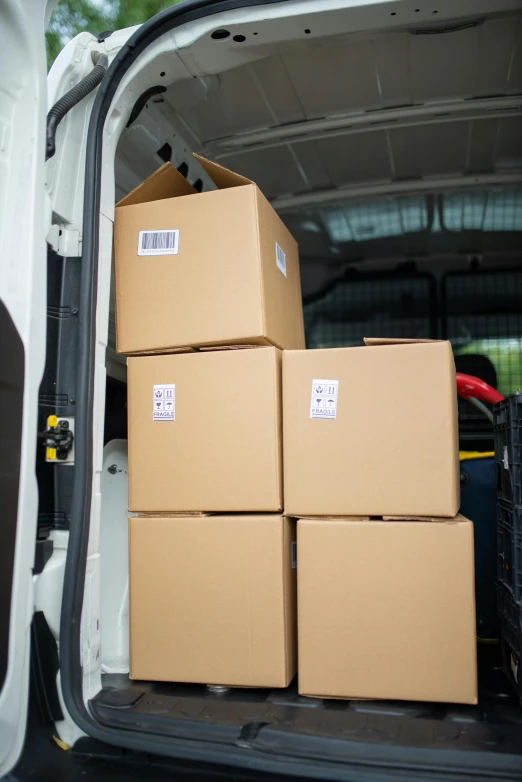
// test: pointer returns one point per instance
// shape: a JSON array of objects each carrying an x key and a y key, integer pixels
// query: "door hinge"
[{"x": 58, "y": 439}]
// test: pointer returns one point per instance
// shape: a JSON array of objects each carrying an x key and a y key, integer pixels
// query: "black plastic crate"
[
  {"x": 510, "y": 615},
  {"x": 509, "y": 548},
  {"x": 508, "y": 449}
]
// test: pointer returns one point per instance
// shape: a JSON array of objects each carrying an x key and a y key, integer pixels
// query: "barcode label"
[
  {"x": 158, "y": 242},
  {"x": 280, "y": 259}
]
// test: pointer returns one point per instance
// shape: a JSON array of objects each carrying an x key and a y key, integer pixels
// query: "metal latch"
[{"x": 58, "y": 439}]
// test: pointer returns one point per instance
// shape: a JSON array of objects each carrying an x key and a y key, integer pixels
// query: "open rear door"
[{"x": 23, "y": 217}]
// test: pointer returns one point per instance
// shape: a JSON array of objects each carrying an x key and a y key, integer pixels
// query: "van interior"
[{"x": 393, "y": 153}]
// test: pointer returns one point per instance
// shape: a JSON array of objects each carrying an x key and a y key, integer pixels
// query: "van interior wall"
[{"x": 283, "y": 89}]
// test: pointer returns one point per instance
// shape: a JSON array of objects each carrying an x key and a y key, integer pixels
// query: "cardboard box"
[
  {"x": 213, "y": 600},
  {"x": 224, "y": 270},
  {"x": 371, "y": 430},
  {"x": 386, "y": 609},
  {"x": 205, "y": 431}
]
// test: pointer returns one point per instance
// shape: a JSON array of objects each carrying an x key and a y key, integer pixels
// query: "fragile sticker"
[
  {"x": 280, "y": 259},
  {"x": 158, "y": 242},
  {"x": 323, "y": 403},
  {"x": 164, "y": 402}
]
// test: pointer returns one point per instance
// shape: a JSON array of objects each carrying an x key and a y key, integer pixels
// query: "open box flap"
[
  {"x": 165, "y": 182},
  {"x": 371, "y": 341},
  {"x": 220, "y": 175}
]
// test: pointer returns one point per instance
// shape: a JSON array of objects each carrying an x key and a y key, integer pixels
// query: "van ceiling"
[{"x": 366, "y": 143}]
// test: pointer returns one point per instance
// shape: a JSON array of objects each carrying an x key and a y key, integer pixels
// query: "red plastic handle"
[{"x": 467, "y": 386}]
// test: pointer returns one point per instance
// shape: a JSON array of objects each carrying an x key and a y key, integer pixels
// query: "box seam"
[
  {"x": 278, "y": 428},
  {"x": 285, "y": 600},
  {"x": 260, "y": 263}
]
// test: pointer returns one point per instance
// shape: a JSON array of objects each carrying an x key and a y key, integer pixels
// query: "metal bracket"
[{"x": 59, "y": 440}]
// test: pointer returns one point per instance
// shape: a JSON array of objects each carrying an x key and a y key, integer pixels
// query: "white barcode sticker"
[
  {"x": 158, "y": 242},
  {"x": 164, "y": 402},
  {"x": 294, "y": 554},
  {"x": 323, "y": 403},
  {"x": 280, "y": 259},
  {"x": 505, "y": 458}
]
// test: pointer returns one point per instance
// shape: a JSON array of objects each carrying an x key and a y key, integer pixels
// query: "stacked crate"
[{"x": 508, "y": 458}]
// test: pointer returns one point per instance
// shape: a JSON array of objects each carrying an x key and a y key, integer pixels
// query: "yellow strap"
[{"x": 465, "y": 455}]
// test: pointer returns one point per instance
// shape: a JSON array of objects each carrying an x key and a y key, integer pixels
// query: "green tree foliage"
[{"x": 71, "y": 17}]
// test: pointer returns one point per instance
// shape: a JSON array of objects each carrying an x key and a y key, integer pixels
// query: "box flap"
[
  {"x": 220, "y": 175},
  {"x": 456, "y": 519},
  {"x": 171, "y": 515},
  {"x": 213, "y": 348},
  {"x": 165, "y": 182},
  {"x": 370, "y": 341},
  {"x": 334, "y": 518}
]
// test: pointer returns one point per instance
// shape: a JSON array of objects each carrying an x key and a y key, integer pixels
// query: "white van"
[{"x": 388, "y": 135}]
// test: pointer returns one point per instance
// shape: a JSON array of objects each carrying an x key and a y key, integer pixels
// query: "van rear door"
[{"x": 24, "y": 214}]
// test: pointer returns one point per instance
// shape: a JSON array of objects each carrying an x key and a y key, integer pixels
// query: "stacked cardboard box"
[
  {"x": 386, "y": 605},
  {"x": 209, "y": 311},
  {"x": 207, "y": 296}
]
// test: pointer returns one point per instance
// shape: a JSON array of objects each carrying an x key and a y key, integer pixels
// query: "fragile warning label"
[
  {"x": 164, "y": 402},
  {"x": 323, "y": 403}
]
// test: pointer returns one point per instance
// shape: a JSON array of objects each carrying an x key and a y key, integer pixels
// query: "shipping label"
[
  {"x": 164, "y": 402},
  {"x": 280, "y": 259},
  {"x": 323, "y": 403},
  {"x": 158, "y": 242}
]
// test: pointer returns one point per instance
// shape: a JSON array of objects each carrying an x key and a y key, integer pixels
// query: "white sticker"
[
  {"x": 323, "y": 403},
  {"x": 164, "y": 402},
  {"x": 294, "y": 554},
  {"x": 280, "y": 259},
  {"x": 506, "y": 458},
  {"x": 158, "y": 242}
]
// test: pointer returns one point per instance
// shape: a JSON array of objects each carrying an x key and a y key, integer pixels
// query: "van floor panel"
[{"x": 282, "y": 722}]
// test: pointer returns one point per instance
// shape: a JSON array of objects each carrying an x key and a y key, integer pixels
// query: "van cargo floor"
[{"x": 280, "y": 723}]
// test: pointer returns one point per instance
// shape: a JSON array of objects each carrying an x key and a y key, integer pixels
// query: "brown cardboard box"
[
  {"x": 388, "y": 442},
  {"x": 386, "y": 609},
  {"x": 205, "y": 431},
  {"x": 232, "y": 275},
  {"x": 213, "y": 600}
]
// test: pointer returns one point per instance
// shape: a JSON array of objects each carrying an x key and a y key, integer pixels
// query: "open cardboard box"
[{"x": 195, "y": 269}]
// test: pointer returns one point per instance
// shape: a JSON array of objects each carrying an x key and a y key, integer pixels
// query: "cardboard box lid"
[
  {"x": 167, "y": 182},
  {"x": 371, "y": 341},
  {"x": 221, "y": 176}
]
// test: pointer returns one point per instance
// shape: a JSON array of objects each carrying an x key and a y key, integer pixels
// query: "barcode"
[
  {"x": 280, "y": 259},
  {"x": 158, "y": 242}
]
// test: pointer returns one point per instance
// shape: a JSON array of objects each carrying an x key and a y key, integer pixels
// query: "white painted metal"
[
  {"x": 201, "y": 106},
  {"x": 48, "y": 589},
  {"x": 23, "y": 291},
  {"x": 114, "y": 559},
  {"x": 360, "y": 191},
  {"x": 367, "y": 122}
]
